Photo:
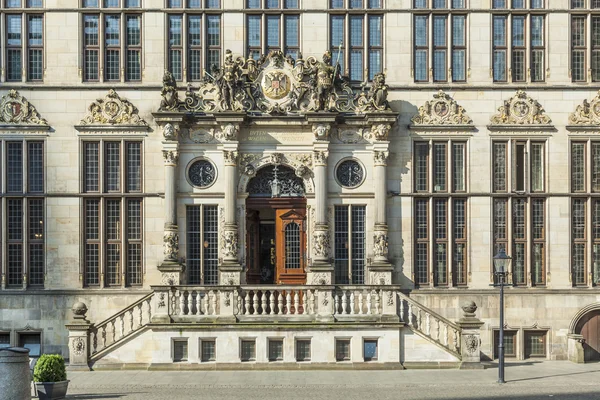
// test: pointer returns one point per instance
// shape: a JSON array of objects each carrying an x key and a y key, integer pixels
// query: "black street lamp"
[{"x": 501, "y": 262}]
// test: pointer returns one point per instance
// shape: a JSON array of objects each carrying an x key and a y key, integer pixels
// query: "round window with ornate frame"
[
  {"x": 350, "y": 173},
  {"x": 201, "y": 173}
]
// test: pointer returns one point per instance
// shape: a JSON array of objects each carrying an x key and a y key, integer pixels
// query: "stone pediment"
[
  {"x": 112, "y": 113},
  {"x": 275, "y": 84},
  {"x": 586, "y": 115},
  {"x": 441, "y": 113},
  {"x": 16, "y": 113},
  {"x": 520, "y": 111}
]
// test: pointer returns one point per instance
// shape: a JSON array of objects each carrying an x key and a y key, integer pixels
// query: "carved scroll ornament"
[
  {"x": 587, "y": 113},
  {"x": 442, "y": 110},
  {"x": 15, "y": 109},
  {"x": 521, "y": 109},
  {"x": 112, "y": 110}
]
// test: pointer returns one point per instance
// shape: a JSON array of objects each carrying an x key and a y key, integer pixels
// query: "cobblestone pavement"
[{"x": 526, "y": 381}]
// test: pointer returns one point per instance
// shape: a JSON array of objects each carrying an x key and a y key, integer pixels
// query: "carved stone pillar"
[
  {"x": 230, "y": 268},
  {"x": 380, "y": 270},
  {"x": 171, "y": 267},
  {"x": 321, "y": 270},
  {"x": 470, "y": 337}
]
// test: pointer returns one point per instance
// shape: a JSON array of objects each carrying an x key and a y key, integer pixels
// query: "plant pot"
[{"x": 51, "y": 390}]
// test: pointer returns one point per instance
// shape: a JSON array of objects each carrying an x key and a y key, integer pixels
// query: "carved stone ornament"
[
  {"x": 230, "y": 157},
  {"x": 321, "y": 278},
  {"x": 380, "y": 244},
  {"x": 171, "y": 246},
  {"x": 321, "y": 244},
  {"x": 376, "y": 99},
  {"x": 302, "y": 171},
  {"x": 78, "y": 345},
  {"x": 380, "y": 157},
  {"x": 520, "y": 110},
  {"x": 171, "y": 157},
  {"x": 169, "y": 132},
  {"x": 442, "y": 110},
  {"x": 320, "y": 157},
  {"x": 471, "y": 343},
  {"x": 321, "y": 131},
  {"x": 229, "y": 132},
  {"x": 169, "y": 279},
  {"x": 277, "y": 158},
  {"x": 15, "y": 109},
  {"x": 230, "y": 278},
  {"x": 230, "y": 244},
  {"x": 381, "y": 278},
  {"x": 112, "y": 110},
  {"x": 469, "y": 308},
  {"x": 587, "y": 113},
  {"x": 275, "y": 84},
  {"x": 79, "y": 310},
  {"x": 381, "y": 131},
  {"x": 249, "y": 170}
]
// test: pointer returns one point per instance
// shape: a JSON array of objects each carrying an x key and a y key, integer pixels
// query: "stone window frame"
[
  {"x": 189, "y": 165},
  {"x": 10, "y": 336},
  {"x": 102, "y": 196},
  {"x": 591, "y": 207},
  {"x": 185, "y": 48},
  {"x": 506, "y": 10},
  {"x": 520, "y": 332},
  {"x": 362, "y": 165},
  {"x": 451, "y": 10},
  {"x": 346, "y": 13},
  {"x": 202, "y": 271},
  {"x": 263, "y": 13},
  {"x": 351, "y": 235},
  {"x": 25, "y": 73},
  {"x": 26, "y": 197},
  {"x": 246, "y": 339},
  {"x": 377, "y": 341},
  {"x": 340, "y": 339},
  {"x": 180, "y": 339},
  {"x": 534, "y": 224},
  {"x": 583, "y": 10},
  {"x": 303, "y": 339},
  {"x": 456, "y": 235},
  {"x": 201, "y": 341},
  {"x": 101, "y": 12},
  {"x": 271, "y": 339},
  {"x": 29, "y": 331}
]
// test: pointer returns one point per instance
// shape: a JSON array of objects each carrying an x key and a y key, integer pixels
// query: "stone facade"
[{"x": 68, "y": 111}]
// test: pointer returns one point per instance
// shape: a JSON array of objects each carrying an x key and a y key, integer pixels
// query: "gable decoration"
[{"x": 16, "y": 110}]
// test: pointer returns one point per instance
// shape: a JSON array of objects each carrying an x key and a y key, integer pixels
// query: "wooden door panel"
[
  {"x": 290, "y": 246},
  {"x": 591, "y": 333}
]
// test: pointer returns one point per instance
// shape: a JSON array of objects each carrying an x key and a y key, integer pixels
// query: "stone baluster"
[
  {"x": 288, "y": 302},
  {"x": 213, "y": 300},
  {"x": 377, "y": 304},
  {"x": 247, "y": 303},
  {"x": 336, "y": 304},
  {"x": 279, "y": 303},
  {"x": 272, "y": 302},
  {"x": 401, "y": 307},
  {"x": 198, "y": 303},
  {"x": 419, "y": 319},
  {"x": 428, "y": 324},
  {"x": 113, "y": 330},
  {"x": 344, "y": 301},
  {"x": 263, "y": 303},
  {"x": 369, "y": 302},
  {"x": 255, "y": 302},
  {"x": 352, "y": 306},
  {"x": 181, "y": 302},
  {"x": 305, "y": 302},
  {"x": 131, "y": 320},
  {"x": 149, "y": 309},
  {"x": 410, "y": 314},
  {"x": 296, "y": 303},
  {"x": 360, "y": 302}
]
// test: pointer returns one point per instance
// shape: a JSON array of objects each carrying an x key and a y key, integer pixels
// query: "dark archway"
[{"x": 279, "y": 178}]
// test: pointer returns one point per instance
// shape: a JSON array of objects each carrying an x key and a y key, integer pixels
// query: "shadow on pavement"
[{"x": 98, "y": 396}]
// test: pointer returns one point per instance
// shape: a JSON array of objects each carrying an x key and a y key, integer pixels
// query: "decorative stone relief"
[
  {"x": 350, "y": 136},
  {"x": 230, "y": 278},
  {"x": 171, "y": 246},
  {"x": 320, "y": 157},
  {"x": 248, "y": 158},
  {"x": 381, "y": 278},
  {"x": 471, "y": 343},
  {"x": 171, "y": 157},
  {"x": 321, "y": 244},
  {"x": 321, "y": 278},
  {"x": 112, "y": 110},
  {"x": 302, "y": 171},
  {"x": 321, "y": 131},
  {"x": 230, "y": 157},
  {"x": 201, "y": 135},
  {"x": 442, "y": 110},
  {"x": 304, "y": 159},
  {"x": 520, "y": 110},
  {"x": 380, "y": 157},
  {"x": 169, "y": 279},
  {"x": 230, "y": 244},
  {"x": 380, "y": 131},
  {"x": 161, "y": 299},
  {"x": 376, "y": 98},
  {"x": 15, "y": 109},
  {"x": 380, "y": 244},
  {"x": 251, "y": 165},
  {"x": 169, "y": 132},
  {"x": 170, "y": 97},
  {"x": 277, "y": 158},
  {"x": 587, "y": 113},
  {"x": 78, "y": 345},
  {"x": 229, "y": 132},
  {"x": 390, "y": 298}
]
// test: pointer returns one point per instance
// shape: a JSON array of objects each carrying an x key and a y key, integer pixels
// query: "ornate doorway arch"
[{"x": 586, "y": 325}]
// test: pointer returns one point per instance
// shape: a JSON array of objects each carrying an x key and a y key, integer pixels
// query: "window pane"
[
  {"x": 36, "y": 241},
  {"x": 14, "y": 167},
  {"x": 356, "y": 3},
  {"x": 439, "y": 55},
  {"x": 375, "y": 30},
  {"x": 193, "y": 244},
  {"x": 34, "y": 30},
  {"x": 213, "y": 35},
  {"x": 291, "y": 3},
  {"x": 13, "y": 3},
  {"x": 273, "y": 31},
  {"x": 458, "y": 166},
  {"x": 90, "y": 3},
  {"x": 458, "y": 30},
  {"x": 420, "y": 3},
  {"x": 194, "y": 3},
  {"x": 577, "y": 3},
  {"x": 134, "y": 167},
  {"x": 578, "y": 167},
  {"x": 595, "y": 167},
  {"x": 439, "y": 3},
  {"x": 254, "y": 30},
  {"x": 291, "y": 30},
  {"x": 440, "y": 248},
  {"x": 175, "y": 3},
  {"x": 175, "y": 40},
  {"x": 211, "y": 242},
  {"x": 518, "y": 31},
  {"x": 90, "y": 38},
  {"x": 458, "y": 3},
  {"x": 499, "y": 30},
  {"x": 133, "y": 30},
  {"x": 358, "y": 244},
  {"x": 537, "y": 30},
  {"x": 113, "y": 166},
  {"x": 374, "y": 3},
  {"x": 341, "y": 245},
  {"x": 458, "y": 65},
  {"x": 518, "y": 4},
  {"x": 421, "y": 30},
  {"x": 374, "y": 63},
  {"x": 439, "y": 173},
  {"x": 537, "y": 3},
  {"x": 272, "y": 3},
  {"x": 498, "y": 3},
  {"x": 253, "y": 4},
  {"x": 35, "y": 167},
  {"x": 111, "y": 3},
  {"x": 537, "y": 167},
  {"x": 337, "y": 3},
  {"x": 132, "y": 3}
]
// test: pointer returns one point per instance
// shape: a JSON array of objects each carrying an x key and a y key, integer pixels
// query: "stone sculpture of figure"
[
  {"x": 170, "y": 98},
  {"x": 228, "y": 80},
  {"x": 379, "y": 91},
  {"x": 325, "y": 76}
]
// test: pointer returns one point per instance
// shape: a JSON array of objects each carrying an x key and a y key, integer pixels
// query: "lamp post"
[{"x": 501, "y": 262}]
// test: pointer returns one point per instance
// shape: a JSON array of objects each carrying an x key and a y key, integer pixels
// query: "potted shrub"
[{"x": 50, "y": 377}]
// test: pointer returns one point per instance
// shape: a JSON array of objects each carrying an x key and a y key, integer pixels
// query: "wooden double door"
[
  {"x": 276, "y": 241},
  {"x": 590, "y": 330}
]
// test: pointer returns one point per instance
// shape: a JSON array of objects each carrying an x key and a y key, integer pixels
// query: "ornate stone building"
[{"x": 298, "y": 181}]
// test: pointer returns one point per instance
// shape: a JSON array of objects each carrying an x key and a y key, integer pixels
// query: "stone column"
[
  {"x": 575, "y": 351},
  {"x": 171, "y": 268},
  {"x": 470, "y": 337},
  {"x": 321, "y": 270},
  {"x": 380, "y": 270},
  {"x": 230, "y": 270},
  {"x": 79, "y": 343}
]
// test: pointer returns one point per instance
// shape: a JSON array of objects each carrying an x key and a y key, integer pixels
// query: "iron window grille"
[
  {"x": 208, "y": 350},
  {"x": 303, "y": 352},
  {"x": 342, "y": 350},
  {"x": 248, "y": 350},
  {"x": 275, "y": 349}
]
